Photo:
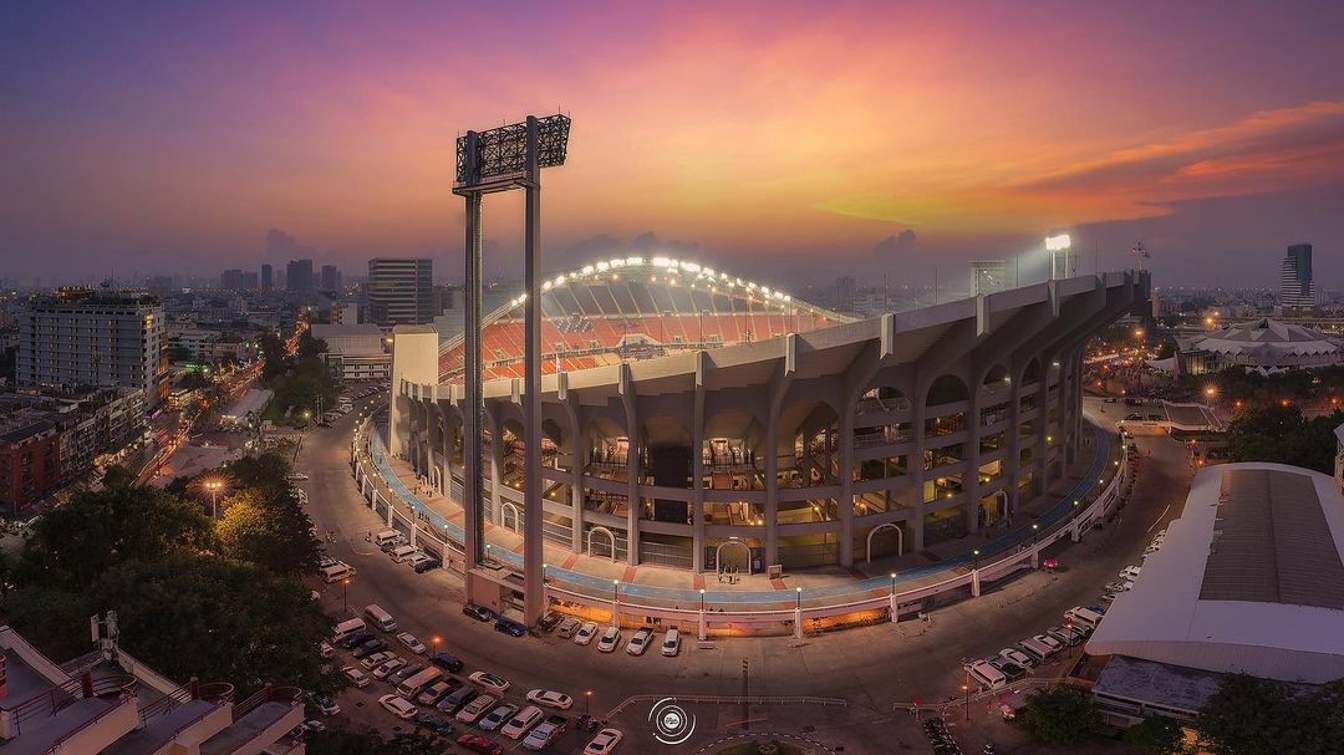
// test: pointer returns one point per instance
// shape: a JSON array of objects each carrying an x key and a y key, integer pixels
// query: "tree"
[
  {"x": 1249, "y": 715},
  {"x": 273, "y": 533},
  {"x": 53, "y": 619},
  {"x": 1061, "y": 716},
  {"x": 1156, "y": 735},
  {"x": 267, "y": 472},
  {"x": 71, "y": 545},
  {"x": 218, "y": 620},
  {"x": 118, "y": 476},
  {"x": 342, "y": 741},
  {"x": 1280, "y": 434},
  {"x": 274, "y": 358}
]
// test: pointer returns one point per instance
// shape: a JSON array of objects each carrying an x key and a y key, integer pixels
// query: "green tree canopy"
[
  {"x": 1280, "y": 434},
  {"x": 1061, "y": 716},
  {"x": 1156, "y": 735},
  {"x": 1249, "y": 715},
  {"x": 274, "y": 533},
  {"x": 71, "y": 545}
]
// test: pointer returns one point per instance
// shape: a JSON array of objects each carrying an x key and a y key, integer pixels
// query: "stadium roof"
[
  {"x": 1267, "y": 339},
  {"x": 630, "y": 308},
  {"x": 1250, "y": 579}
]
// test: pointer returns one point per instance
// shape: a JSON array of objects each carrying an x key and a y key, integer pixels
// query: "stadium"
[{"x": 697, "y": 420}]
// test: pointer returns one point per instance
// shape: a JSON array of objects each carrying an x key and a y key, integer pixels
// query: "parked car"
[
  {"x": 478, "y": 613},
  {"x": 424, "y": 562},
  {"x": 412, "y": 644},
  {"x": 371, "y": 662},
  {"x": 545, "y": 733},
  {"x": 446, "y": 661},
  {"x": 605, "y": 742},
  {"x": 522, "y": 721},
  {"x": 567, "y": 628},
  {"x": 510, "y": 627},
  {"x": 497, "y": 717},
  {"x": 480, "y": 744},
  {"x": 388, "y": 667},
  {"x": 548, "y": 621},
  {"x": 490, "y": 682},
  {"x": 370, "y": 647},
  {"x": 433, "y": 693},
  {"x": 550, "y": 699},
  {"x": 326, "y": 705},
  {"x": 398, "y": 707},
  {"x": 357, "y": 677},
  {"x": 435, "y": 724},
  {"x": 587, "y": 631},
  {"x": 325, "y": 649},
  {"x": 457, "y": 699},
  {"x": 640, "y": 642},
  {"x": 671, "y": 643},
  {"x": 355, "y": 639},
  {"x": 1010, "y": 670},
  {"x": 405, "y": 672},
  {"x": 1013, "y": 655},
  {"x": 479, "y": 706},
  {"x": 610, "y": 639}
]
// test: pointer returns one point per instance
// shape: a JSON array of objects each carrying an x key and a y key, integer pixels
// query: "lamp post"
[
  {"x": 434, "y": 642},
  {"x": 345, "y": 595},
  {"x": 615, "y": 602},
  {"x": 587, "y": 702},
  {"x": 213, "y": 486},
  {"x": 702, "y": 600}
]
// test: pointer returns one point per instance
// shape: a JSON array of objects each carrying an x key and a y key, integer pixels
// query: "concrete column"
[
  {"x": 698, "y": 479},
  {"x": 1043, "y": 426},
  {"x": 1013, "y": 463},
  {"x": 975, "y": 583},
  {"x": 916, "y": 465},
  {"x": 845, "y": 505},
  {"x": 533, "y": 591},
  {"x": 387, "y": 501},
  {"x": 631, "y": 471},
  {"x": 704, "y": 629},
  {"x": 970, "y": 479},
  {"x": 496, "y": 466},
  {"x": 771, "y": 451}
]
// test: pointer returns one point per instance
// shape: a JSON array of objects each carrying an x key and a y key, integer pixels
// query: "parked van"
[
  {"x": 380, "y": 618},
  {"x": 347, "y": 628},
  {"x": 412, "y": 686},
  {"x": 403, "y": 553},
  {"x": 1084, "y": 617},
  {"x": 1037, "y": 651},
  {"x": 385, "y": 537},
  {"x": 986, "y": 675},
  {"x": 337, "y": 572}
]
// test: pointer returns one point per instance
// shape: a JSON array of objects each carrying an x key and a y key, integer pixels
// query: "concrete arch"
[
  {"x": 900, "y": 541},
  {"x": 946, "y": 389},
  {"x": 505, "y": 508},
  {"x": 995, "y": 375},
  {"x": 1032, "y": 371},
  {"x": 718, "y": 553},
  {"x": 611, "y": 539}
]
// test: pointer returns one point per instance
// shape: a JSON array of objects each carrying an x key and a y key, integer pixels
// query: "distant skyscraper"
[
  {"x": 231, "y": 280},
  {"x": 1296, "y": 290},
  {"x": 400, "y": 292},
  {"x": 843, "y": 295},
  {"x": 299, "y": 275},
  {"x": 250, "y": 280},
  {"x": 988, "y": 276},
  {"x": 331, "y": 278},
  {"x": 267, "y": 278}
]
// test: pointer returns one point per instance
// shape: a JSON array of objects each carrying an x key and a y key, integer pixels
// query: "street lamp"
[
  {"x": 434, "y": 642},
  {"x": 214, "y": 486},
  {"x": 345, "y": 595},
  {"x": 587, "y": 702},
  {"x": 702, "y": 600},
  {"x": 893, "y": 583},
  {"x": 799, "y": 593},
  {"x": 976, "y": 554}
]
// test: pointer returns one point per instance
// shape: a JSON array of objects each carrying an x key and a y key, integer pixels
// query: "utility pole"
[{"x": 746, "y": 717}]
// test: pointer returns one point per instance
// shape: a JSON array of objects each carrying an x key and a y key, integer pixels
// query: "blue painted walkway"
[{"x": 597, "y": 585}]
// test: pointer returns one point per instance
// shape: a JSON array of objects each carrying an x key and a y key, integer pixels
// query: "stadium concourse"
[{"x": 698, "y": 421}]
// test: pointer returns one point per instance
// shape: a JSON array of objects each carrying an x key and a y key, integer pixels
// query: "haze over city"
[{"x": 862, "y": 138}]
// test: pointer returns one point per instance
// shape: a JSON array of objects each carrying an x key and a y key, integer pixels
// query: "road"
[{"x": 870, "y": 667}]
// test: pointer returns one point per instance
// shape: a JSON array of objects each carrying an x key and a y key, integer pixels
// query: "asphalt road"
[{"x": 870, "y": 667}]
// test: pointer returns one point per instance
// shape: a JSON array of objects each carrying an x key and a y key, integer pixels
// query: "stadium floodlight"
[
  {"x": 1057, "y": 242},
  {"x": 501, "y": 159}
]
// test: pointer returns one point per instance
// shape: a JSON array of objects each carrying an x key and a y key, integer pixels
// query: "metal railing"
[{"x": 838, "y": 702}]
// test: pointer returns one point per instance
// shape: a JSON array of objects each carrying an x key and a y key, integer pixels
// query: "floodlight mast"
[{"x": 501, "y": 159}]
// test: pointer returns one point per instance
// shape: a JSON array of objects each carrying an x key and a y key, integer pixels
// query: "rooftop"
[{"x": 1250, "y": 579}]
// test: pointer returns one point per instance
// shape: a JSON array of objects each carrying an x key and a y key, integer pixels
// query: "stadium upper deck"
[{"x": 632, "y": 308}]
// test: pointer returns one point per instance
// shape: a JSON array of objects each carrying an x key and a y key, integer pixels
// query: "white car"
[
  {"x": 409, "y": 641},
  {"x": 1130, "y": 573},
  {"x": 550, "y": 699},
  {"x": 671, "y": 643},
  {"x": 640, "y": 642},
  {"x": 502, "y": 714},
  {"x": 398, "y": 707},
  {"x": 521, "y": 722},
  {"x": 476, "y": 708},
  {"x": 610, "y": 639},
  {"x": 357, "y": 677},
  {"x": 586, "y": 633},
  {"x": 567, "y": 628},
  {"x": 497, "y": 684},
  {"x": 1017, "y": 656},
  {"x": 325, "y": 649},
  {"x": 377, "y": 659},
  {"x": 605, "y": 742},
  {"x": 388, "y": 668}
]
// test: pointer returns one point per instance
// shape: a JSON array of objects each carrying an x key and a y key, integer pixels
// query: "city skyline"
[{"x": 853, "y": 140}]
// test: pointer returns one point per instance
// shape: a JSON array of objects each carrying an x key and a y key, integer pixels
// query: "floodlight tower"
[
  {"x": 1061, "y": 259},
  {"x": 502, "y": 159}
]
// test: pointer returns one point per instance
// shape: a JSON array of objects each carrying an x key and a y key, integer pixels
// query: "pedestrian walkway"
[{"x": 660, "y": 586}]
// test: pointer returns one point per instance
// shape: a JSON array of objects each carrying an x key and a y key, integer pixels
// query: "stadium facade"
[{"x": 698, "y": 420}]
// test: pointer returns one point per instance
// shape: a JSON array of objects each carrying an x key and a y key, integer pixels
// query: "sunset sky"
[{"x": 795, "y": 141}]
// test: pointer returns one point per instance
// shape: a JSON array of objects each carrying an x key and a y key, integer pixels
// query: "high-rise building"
[
  {"x": 1296, "y": 290},
  {"x": 78, "y": 338},
  {"x": 842, "y": 297},
  {"x": 267, "y": 278},
  {"x": 331, "y": 278},
  {"x": 400, "y": 291},
  {"x": 299, "y": 275},
  {"x": 988, "y": 276},
  {"x": 231, "y": 280}
]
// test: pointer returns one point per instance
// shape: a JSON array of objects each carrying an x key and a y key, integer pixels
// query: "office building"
[
  {"x": 988, "y": 276},
  {"x": 400, "y": 291},
  {"x": 355, "y": 352},
  {"x": 299, "y": 275},
  {"x": 231, "y": 280},
  {"x": 1296, "y": 290},
  {"x": 331, "y": 278},
  {"x": 267, "y": 278},
  {"x": 78, "y": 338},
  {"x": 344, "y": 313}
]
